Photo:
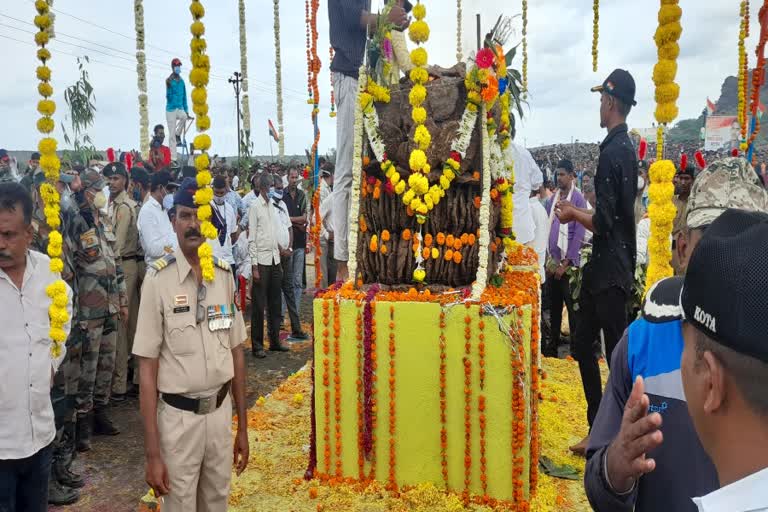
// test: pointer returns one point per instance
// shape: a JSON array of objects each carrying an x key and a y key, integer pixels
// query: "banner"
[{"x": 721, "y": 133}]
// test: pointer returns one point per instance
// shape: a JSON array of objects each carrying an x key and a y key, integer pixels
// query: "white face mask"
[
  {"x": 219, "y": 200},
  {"x": 640, "y": 183}
]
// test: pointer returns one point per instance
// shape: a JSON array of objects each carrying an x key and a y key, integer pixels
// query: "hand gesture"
[
  {"x": 156, "y": 476},
  {"x": 397, "y": 16},
  {"x": 256, "y": 278},
  {"x": 639, "y": 433},
  {"x": 124, "y": 316},
  {"x": 565, "y": 211}
]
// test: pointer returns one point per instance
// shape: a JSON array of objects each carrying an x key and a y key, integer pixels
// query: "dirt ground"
[{"x": 114, "y": 468}]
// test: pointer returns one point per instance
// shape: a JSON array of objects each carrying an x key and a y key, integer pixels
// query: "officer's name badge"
[
  {"x": 180, "y": 304},
  {"x": 221, "y": 316}
]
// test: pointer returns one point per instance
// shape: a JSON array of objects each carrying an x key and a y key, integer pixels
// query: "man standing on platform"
[
  {"x": 189, "y": 342},
  {"x": 122, "y": 212},
  {"x": 350, "y": 21},
  {"x": 609, "y": 275},
  {"x": 176, "y": 109}
]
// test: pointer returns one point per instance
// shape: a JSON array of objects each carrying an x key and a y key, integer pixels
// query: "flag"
[
  {"x": 272, "y": 132},
  {"x": 710, "y": 107}
]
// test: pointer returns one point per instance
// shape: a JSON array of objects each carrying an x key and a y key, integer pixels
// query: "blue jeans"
[
  {"x": 298, "y": 276},
  {"x": 24, "y": 482}
]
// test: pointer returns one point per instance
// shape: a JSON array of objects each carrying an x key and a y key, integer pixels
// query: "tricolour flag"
[
  {"x": 272, "y": 132},
  {"x": 710, "y": 107}
]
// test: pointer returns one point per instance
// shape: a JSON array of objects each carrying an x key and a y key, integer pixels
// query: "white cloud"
[{"x": 560, "y": 72}]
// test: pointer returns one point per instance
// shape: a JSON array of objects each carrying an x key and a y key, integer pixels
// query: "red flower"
[
  {"x": 371, "y": 180},
  {"x": 384, "y": 157},
  {"x": 485, "y": 58},
  {"x": 388, "y": 188},
  {"x": 306, "y": 173},
  {"x": 456, "y": 156},
  {"x": 506, "y": 231}
]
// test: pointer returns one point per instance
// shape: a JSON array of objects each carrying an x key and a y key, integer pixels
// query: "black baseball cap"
[
  {"x": 185, "y": 195},
  {"x": 140, "y": 175},
  {"x": 726, "y": 286},
  {"x": 115, "y": 168},
  {"x": 35, "y": 156},
  {"x": 160, "y": 179},
  {"x": 619, "y": 84}
]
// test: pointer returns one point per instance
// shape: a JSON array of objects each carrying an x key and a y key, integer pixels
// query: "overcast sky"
[{"x": 559, "y": 70}]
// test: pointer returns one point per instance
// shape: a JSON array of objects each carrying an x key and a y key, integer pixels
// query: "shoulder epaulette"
[
  {"x": 221, "y": 264},
  {"x": 163, "y": 262}
]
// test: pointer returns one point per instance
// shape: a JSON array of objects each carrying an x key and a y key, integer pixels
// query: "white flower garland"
[
  {"x": 357, "y": 176},
  {"x": 279, "y": 81},
  {"x": 459, "y": 54},
  {"x": 141, "y": 72},
  {"x": 245, "y": 103},
  {"x": 371, "y": 123},
  {"x": 485, "y": 213},
  {"x": 464, "y": 133}
]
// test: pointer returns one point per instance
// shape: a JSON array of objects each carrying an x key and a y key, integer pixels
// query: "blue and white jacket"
[{"x": 651, "y": 347}]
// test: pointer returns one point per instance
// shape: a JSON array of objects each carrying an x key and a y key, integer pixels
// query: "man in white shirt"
[
  {"x": 724, "y": 365},
  {"x": 265, "y": 270},
  {"x": 156, "y": 233},
  {"x": 235, "y": 180},
  {"x": 527, "y": 177},
  {"x": 224, "y": 219},
  {"x": 248, "y": 199},
  {"x": 27, "y": 366},
  {"x": 540, "y": 229},
  {"x": 327, "y": 239}
]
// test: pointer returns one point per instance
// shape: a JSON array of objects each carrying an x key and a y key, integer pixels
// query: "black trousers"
[
  {"x": 606, "y": 310},
  {"x": 24, "y": 482},
  {"x": 288, "y": 290},
  {"x": 266, "y": 296},
  {"x": 559, "y": 292}
]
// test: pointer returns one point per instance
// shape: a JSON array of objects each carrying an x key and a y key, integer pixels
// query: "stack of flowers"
[
  {"x": 50, "y": 165},
  {"x": 245, "y": 101},
  {"x": 279, "y": 80},
  {"x": 741, "y": 111},
  {"x": 662, "y": 214},
  {"x": 198, "y": 77},
  {"x": 666, "y": 37},
  {"x": 141, "y": 72}
]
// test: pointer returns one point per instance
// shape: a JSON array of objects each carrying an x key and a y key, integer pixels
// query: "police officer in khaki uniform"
[
  {"x": 122, "y": 212},
  {"x": 189, "y": 341}
]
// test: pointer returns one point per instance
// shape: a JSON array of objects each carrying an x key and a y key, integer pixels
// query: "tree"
[{"x": 80, "y": 99}]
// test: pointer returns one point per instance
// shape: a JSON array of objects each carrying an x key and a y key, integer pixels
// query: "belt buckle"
[{"x": 206, "y": 405}]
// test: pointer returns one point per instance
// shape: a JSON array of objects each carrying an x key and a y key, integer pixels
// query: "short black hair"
[
  {"x": 567, "y": 165},
  {"x": 158, "y": 126},
  {"x": 219, "y": 182},
  {"x": 265, "y": 181},
  {"x": 14, "y": 194},
  {"x": 277, "y": 179}
]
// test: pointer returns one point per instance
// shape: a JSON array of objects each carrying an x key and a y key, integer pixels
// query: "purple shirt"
[{"x": 576, "y": 231}]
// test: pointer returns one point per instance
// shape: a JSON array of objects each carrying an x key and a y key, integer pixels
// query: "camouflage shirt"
[{"x": 100, "y": 281}]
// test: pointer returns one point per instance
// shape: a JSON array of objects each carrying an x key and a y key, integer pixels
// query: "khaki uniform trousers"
[
  {"x": 125, "y": 336},
  {"x": 197, "y": 450}
]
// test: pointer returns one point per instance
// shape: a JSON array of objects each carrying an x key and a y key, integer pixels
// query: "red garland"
[
  {"x": 368, "y": 333},
  {"x": 312, "y": 466}
]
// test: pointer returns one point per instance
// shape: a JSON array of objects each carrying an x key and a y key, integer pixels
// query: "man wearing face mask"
[
  {"x": 159, "y": 154},
  {"x": 155, "y": 229},
  {"x": 224, "y": 219},
  {"x": 176, "y": 110},
  {"x": 102, "y": 302},
  {"x": 122, "y": 214}
]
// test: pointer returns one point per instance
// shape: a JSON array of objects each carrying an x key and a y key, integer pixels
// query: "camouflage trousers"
[
  {"x": 67, "y": 379},
  {"x": 97, "y": 363}
]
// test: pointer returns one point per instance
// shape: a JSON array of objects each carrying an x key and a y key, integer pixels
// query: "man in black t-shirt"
[
  {"x": 296, "y": 201},
  {"x": 609, "y": 275}
]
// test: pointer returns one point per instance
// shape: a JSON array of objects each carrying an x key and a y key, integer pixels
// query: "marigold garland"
[
  {"x": 337, "y": 384},
  {"x": 665, "y": 70},
  {"x": 595, "y": 32},
  {"x": 518, "y": 406},
  {"x": 392, "y": 407},
  {"x": 467, "y": 403},
  {"x": 50, "y": 164},
  {"x": 245, "y": 100},
  {"x": 326, "y": 389},
  {"x": 533, "y": 457},
  {"x": 359, "y": 384},
  {"x": 279, "y": 78},
  {"x": 662, "y": 212},
  {"x": 443, "y": 402},
  {"x": 141, "y": 72},
  {"x": 199, "y": 76},
  {"x": 758, "y": 74},
  {"x": 742, "y": 74}
]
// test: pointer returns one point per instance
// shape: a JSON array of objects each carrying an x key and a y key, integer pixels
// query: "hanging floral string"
[
  {"x": 359, "y": 383},
  {"x": 198, "y": 77},
  {"x": 337, "y": 384},
  {"x": 459, "y": 53},
  {"x": 326, "y": 388},
  {"x": 595, "y": 32},
  {"x": 313, "y": 70},
  {"x": 742, "y": 78},
  {"x": 758, "y": 74},
  {"x": 332, "y": 114},
  {"x": 245, "y": 101},
  {"x": 141, "y": 72},
  {"x": 525, "y": 49},
  {"x": 50, "y": 164},
  {"x": 392, "y": 483},
  {"x": 467, "y": 403},
  {"x": 279, "y": 79},
  {"x": 309, "y": 51},
  {"x": 443, "y": 402}
]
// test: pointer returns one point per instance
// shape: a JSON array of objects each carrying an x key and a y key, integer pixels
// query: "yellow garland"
[
  {"x": 665, "y": 70},
  {"x": 199, "y": 78},
  {"x": 662, "y": 212},
  {"x": 50, "y": 164},
  {"x": 418, "y": 182},
  {"x": 742, "y": 76},
  {"x": 595, "y": 33}
]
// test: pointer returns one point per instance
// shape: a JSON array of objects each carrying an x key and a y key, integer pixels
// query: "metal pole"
[
  {"x": 236, "y": 80},
  {"x": 478, "y": 31}
]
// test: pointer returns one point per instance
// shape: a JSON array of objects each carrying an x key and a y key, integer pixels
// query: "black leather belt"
[{"x": 205, "y": 405}]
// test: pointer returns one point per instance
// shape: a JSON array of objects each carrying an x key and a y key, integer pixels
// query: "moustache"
[{"x": 192, "y": 232}]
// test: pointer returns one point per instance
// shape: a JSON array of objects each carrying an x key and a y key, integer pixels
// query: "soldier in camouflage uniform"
[
  {"x": 62, "y": 483},
  {"x": 123, "y": 216},
  {"x": 102, "y": 304}
]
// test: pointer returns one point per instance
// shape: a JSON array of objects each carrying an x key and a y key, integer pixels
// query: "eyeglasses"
[{"x": 200, "y": 312}]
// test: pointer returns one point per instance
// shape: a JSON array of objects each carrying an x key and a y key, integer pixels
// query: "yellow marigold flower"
[
  {"x": 198, "y": 77},
  {"x": 419, "y": 11},
  {"x": 43, "y": 21},
  {"x": 45, "y": 125},
  {"x": 669, "y": 14},
  {"x": 417, "y": 160},
  {"x": 666, "y": 112},
  {"x": 202, "y": 142},
  {"x": 400, "y": 187},
  {"x": 201, "y": 61},
  {"x": 667, "y": 33},
  {"x": 419, "y": 115},
  {"x": 198, "y": 45},
  {"x": 42, "y": 38},
  {"x": 41, "y": 6},
  {"x": 419, "y": 275},
  {"x": 408, "y": 196},
  {"x": 667, "y": 93},
  {"x": 435, "y": 253},
  {"x": 197, "y": 10},
  {"x": 669, "y": 51},
  {"x": 203, "y": 123},
  {"x": 417, "y": 95},
  {"x": 395, "y": 178},
  {"x": 416, "y": 204},
  {"x": 199, "y": 95},
  {"x": 57, "y": 334},
  {"x": 202, "y": 162},
  {"x": 203, "y": 196},
  {"x": 422, "y": 209},
  {"x": 43, "y": 73},
  {"x": 204, "y": 212},
  {"x": 419, "y": 32},
  {"x": 197, "y": 28},
  {"x": 419, "y": 56},
  {"x": 445, "y": 182},
  {"x": 422, "y": 137},
  {"x": 200, "y": 110},
  {"x": 208, "y": 230},
  {"x": 664, "y": 72},
  {"x": 366, "y": 99},
  {"x": 46, "y": 107},
  {"x": 43, "y": 54},
  {"x": 419, "y": 75},
  {"x": 47, "y": 146}
]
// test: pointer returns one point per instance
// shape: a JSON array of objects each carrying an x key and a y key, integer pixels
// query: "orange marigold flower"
[
  {"x": 494, "y": 194},
  {"x": 409, "y": 211},
  {"x": 457, "y": 244},
  {"x": 476, "y": 175},
  {"x": 385, "y": 236},
  {"x": 428, "y": 240},
  {"x": 464, "y": 238},
  {"x": 366, "y": 161},
  {"x": 425, "y": 253},
  {"x": 471, "y": 239},
  {"x": 374, "y": 245},
  {"x": 440, "y": 238},
  {"x": 383, "y": 249},
  {"x": 377, "y": 192},
  {"x": 406, "y": 234},
  {"x": 363, "y": 224},
  {"x": 449, "y": 255},
  {"x": 477, "y": 202},
  {"x": 457, "y": 257}
]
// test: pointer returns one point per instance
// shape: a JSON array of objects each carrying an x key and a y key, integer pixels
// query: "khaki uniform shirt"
[
  {"x": 679, "y": 222},
  {"x": 122, "y": 211},
  {"x": 193, "y": 359}
]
